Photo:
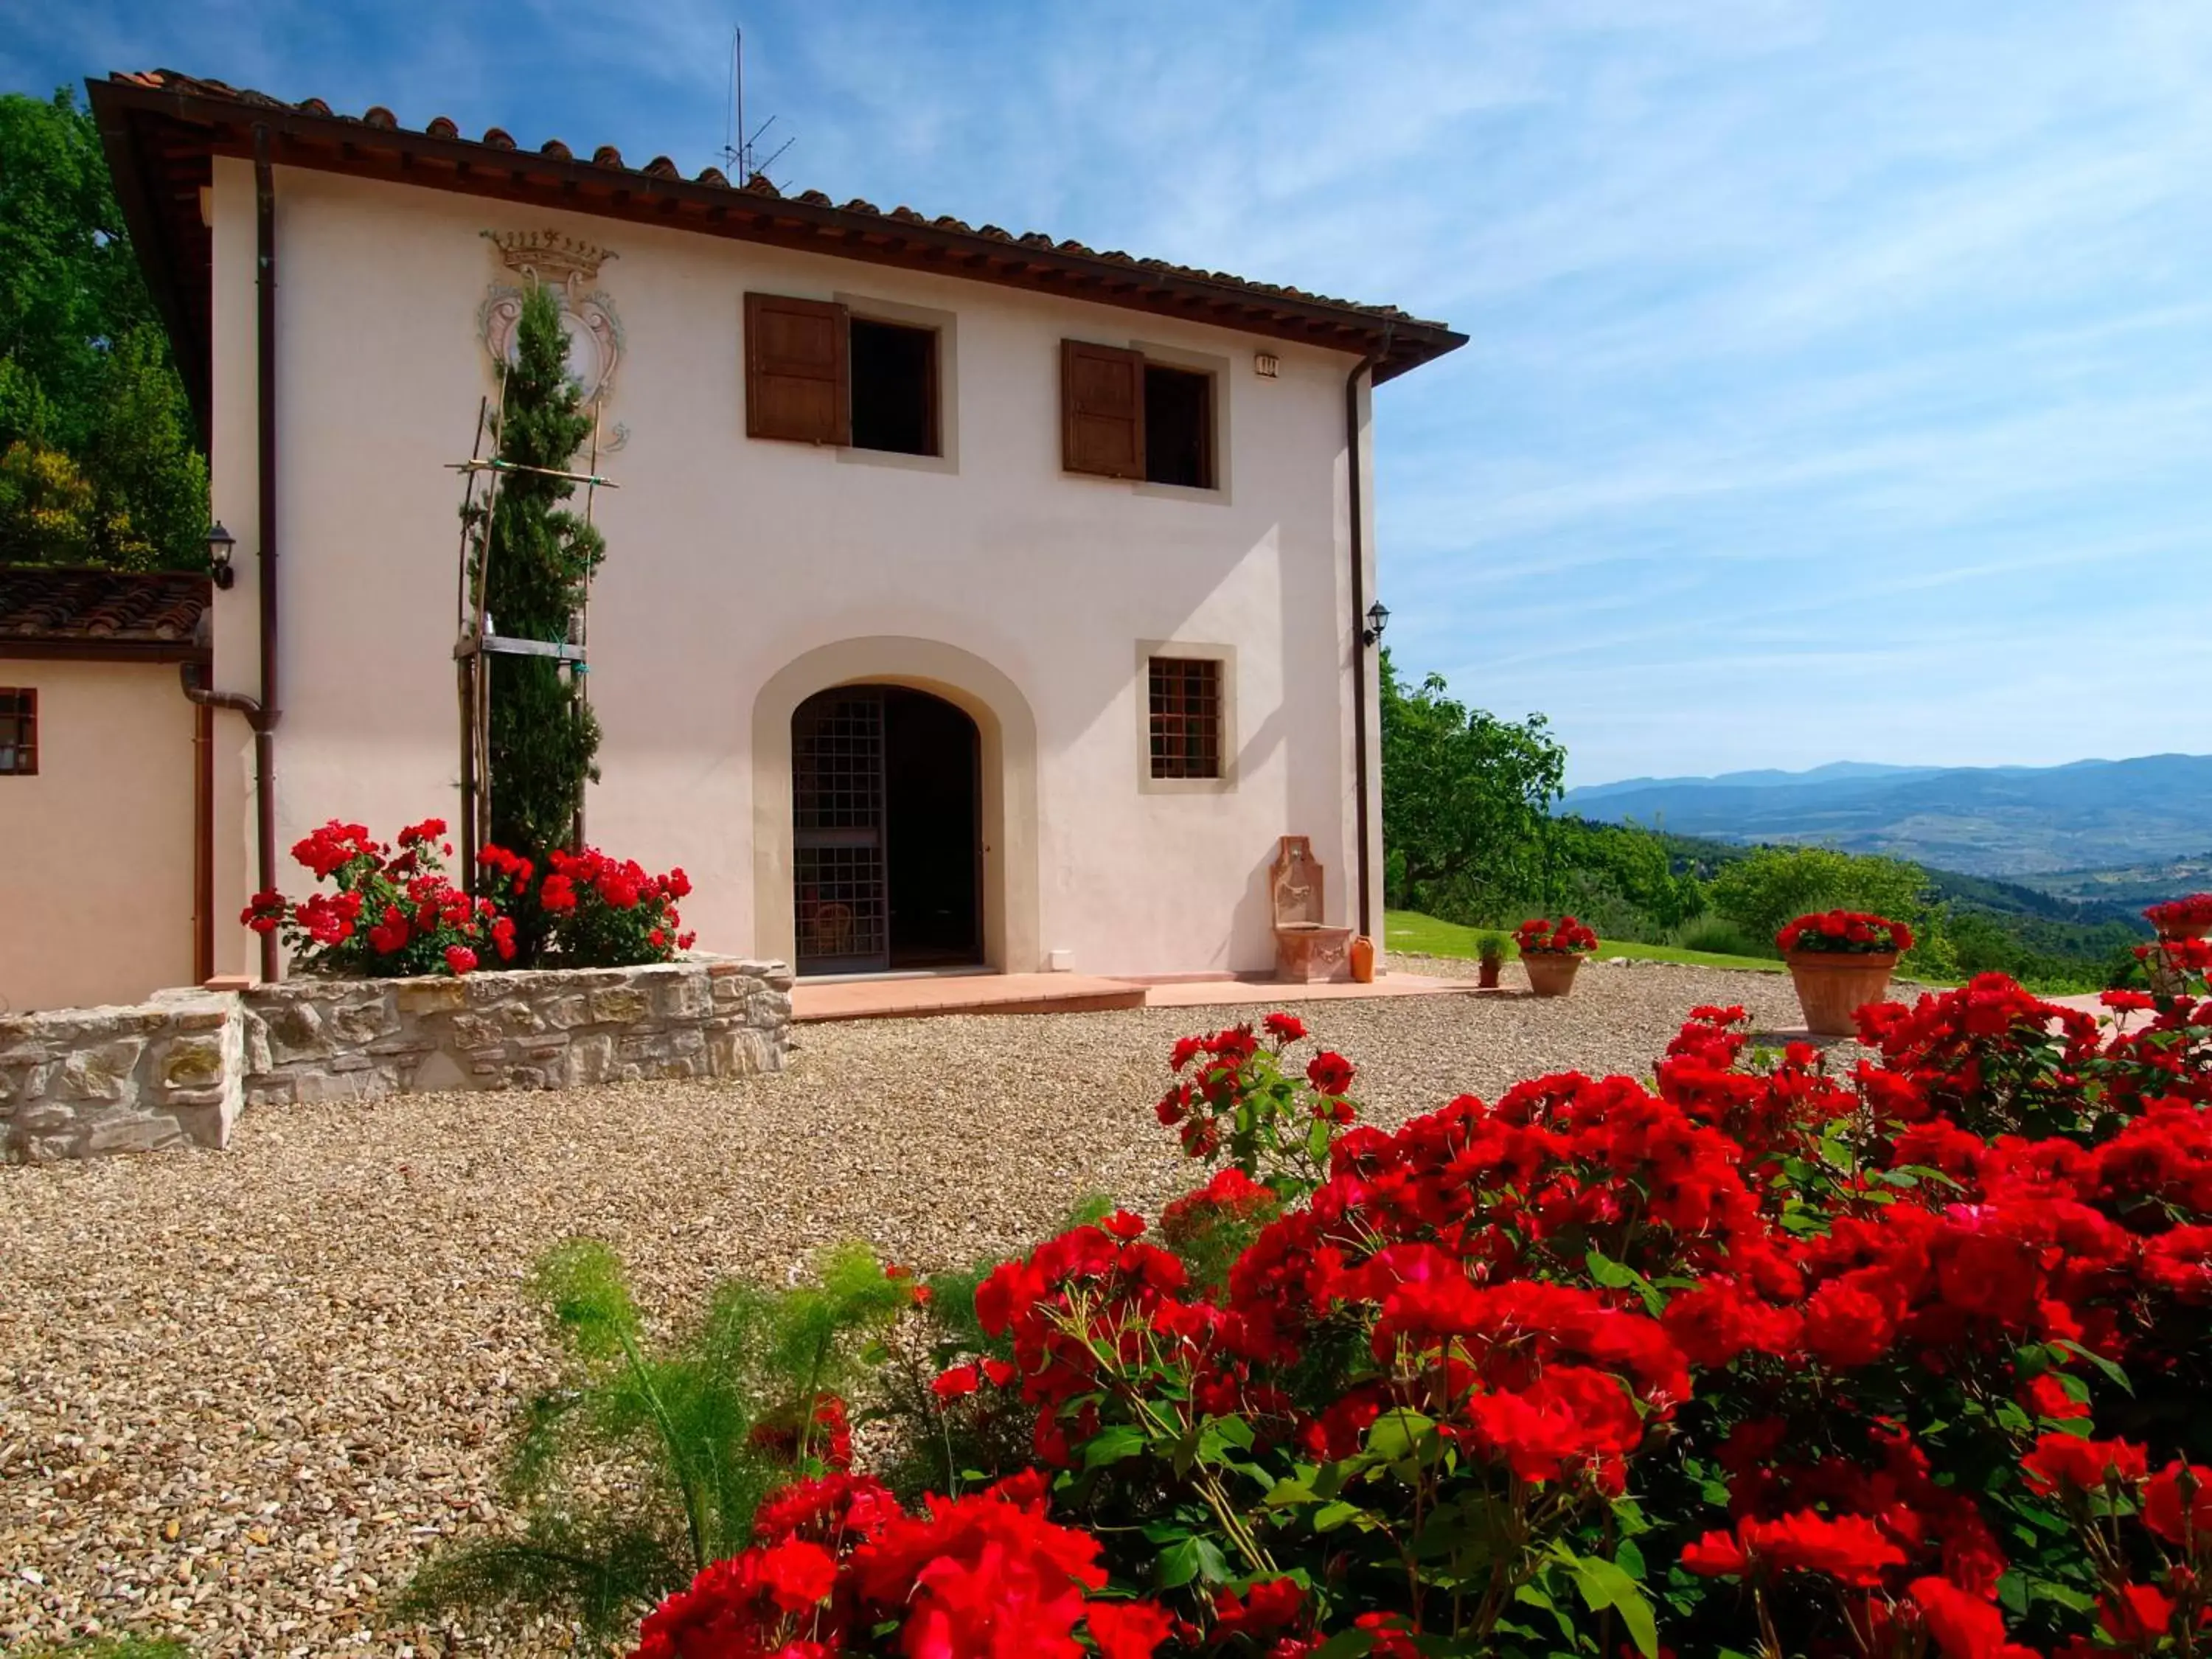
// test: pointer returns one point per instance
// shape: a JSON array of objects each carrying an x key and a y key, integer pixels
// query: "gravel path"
[{"x": 242, "y": 1394}]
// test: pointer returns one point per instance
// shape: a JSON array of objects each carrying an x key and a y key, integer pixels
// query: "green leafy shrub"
[
  {"x": 1720, "y": 936},
  {"x": 698, "y": 1429},
  {"x": 1762, "y": 892}
]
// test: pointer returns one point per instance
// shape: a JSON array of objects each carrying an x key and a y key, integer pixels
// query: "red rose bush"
[
  {"x": 1894, "y": 1355},
  {"x": 396, "y": 911}
]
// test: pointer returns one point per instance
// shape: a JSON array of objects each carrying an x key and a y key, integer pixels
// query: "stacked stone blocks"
[{"x": 177, "y": 1070}]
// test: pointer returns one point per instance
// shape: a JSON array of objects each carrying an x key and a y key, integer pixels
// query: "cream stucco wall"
[
  {"x": 96, "y": 882},
  {"x": 742, "y": 572}
]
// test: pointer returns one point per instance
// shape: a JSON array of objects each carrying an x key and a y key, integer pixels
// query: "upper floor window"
[
  {"x": 19, "y": 731},
  {"x": 1124, "y": 416},
  {"x": 815, "y": 374}
]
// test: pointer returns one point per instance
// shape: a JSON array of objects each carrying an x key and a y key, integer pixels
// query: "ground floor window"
[
  {"x": 1185, "y": 717},
  {"x": 19, "y": 731}
]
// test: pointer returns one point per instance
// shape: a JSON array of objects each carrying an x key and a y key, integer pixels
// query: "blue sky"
[{"x": 1841, "y": 378}]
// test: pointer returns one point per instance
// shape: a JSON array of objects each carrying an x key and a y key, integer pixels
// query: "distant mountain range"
[{"x": 2016, "y": 821}]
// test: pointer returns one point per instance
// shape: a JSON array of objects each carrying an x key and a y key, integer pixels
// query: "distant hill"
[
  {"x": 1765, "y": 779},
  {"x": 2008, "y": 820}
]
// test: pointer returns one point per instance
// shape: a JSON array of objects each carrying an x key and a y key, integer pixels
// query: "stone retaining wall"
[
  {"x": 177, "y": 1070},
  {"x": 78, "y": 1082}
]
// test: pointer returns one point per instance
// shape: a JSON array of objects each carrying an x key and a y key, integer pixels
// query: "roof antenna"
[{"x": 740, "y": 149}]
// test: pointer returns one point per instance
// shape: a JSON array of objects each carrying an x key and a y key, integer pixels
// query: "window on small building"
[
  {"x": 19, "y": 731},
  {"x": 1186, "y": 723},
  {"x": 1178, "y": 426},
  {"x": 1124, "y": 416},
  {"x": 894, "y": 388}
]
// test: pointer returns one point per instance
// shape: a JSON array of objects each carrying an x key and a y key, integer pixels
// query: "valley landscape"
[{"x": 2052, "y": 827}]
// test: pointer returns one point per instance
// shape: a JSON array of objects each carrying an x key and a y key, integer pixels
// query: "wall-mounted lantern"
[
  {"x": 1379, "y": 618},
  {"x": 220, "y": 543}
]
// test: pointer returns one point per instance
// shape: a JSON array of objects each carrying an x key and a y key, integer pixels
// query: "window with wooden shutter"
[
  {"x": 19, "y": 731},
  {"x": 1101, "y": 410},
  {"x": 798, "y": 386}
]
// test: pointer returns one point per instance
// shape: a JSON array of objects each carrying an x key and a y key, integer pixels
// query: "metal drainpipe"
[
  {"x": 1359, "y": 647},
  {"x": 261, "y": 713},
  {"x": 265, "y": 341}
]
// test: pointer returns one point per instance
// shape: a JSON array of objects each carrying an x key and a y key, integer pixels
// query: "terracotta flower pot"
[
  {"x": 1485, "y": 973},
  {"x": 1833, "y": 985},
  {"x": 1363, "y": 960},
  {"x": 1550, "y": 973}
]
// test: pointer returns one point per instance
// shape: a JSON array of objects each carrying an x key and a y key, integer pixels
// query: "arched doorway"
[{"x": 886, "y": 831}]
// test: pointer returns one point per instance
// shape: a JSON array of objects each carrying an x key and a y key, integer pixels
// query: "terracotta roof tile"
[
  {"x": 44, "y": 602},
  {"x": 608, "y": 156},
  {"x": 159, "y": 125}
]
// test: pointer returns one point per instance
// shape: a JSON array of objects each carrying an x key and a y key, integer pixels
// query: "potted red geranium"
[
  {"x": 1840, "y": 961},
  {"x": 2182, "y": 918},
  {"x": 1551, "y": 950},
  {"x": 2176, "y": 920}
]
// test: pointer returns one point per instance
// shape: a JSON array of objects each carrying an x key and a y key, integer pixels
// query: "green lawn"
[{"x": 1408, "y": 930}]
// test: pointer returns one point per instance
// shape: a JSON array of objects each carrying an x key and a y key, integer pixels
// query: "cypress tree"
[{"x": 543, "y": 734}]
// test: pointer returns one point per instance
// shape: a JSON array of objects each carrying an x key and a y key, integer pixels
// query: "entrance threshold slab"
[
  {"x": 962, "y": 993},
  {"x": 1201, "y": 994},
  {"x": 913, "y": 997}
]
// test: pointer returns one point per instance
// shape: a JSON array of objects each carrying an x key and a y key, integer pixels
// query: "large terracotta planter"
[
  {"x": 1833, "y": 985},
  {"x": 1550, "y": 973}
]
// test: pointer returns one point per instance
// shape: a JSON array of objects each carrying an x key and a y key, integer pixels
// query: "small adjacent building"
[
  {"x": 105, "y": 841},
  {"x": 973, "y": 599}
]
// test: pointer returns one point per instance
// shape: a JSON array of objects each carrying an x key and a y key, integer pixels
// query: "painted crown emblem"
[{"x": 549, "y": 256}]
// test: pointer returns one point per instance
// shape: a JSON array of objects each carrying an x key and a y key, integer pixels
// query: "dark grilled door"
[{"x": 837, "y": 805}]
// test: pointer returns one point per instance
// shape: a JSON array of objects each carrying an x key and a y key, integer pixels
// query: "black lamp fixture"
[
  {"x": 1379, "y": 618},
  {"x": 220, "y": 543}
]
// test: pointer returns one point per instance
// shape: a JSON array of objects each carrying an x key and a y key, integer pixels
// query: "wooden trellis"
[{"x": 478, "y": 636}]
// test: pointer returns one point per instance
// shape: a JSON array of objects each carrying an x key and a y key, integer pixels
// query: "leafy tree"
[
  {"x": 1619, "y": 879},
  {"x": 1467, "y": 798},
  {"x": 48, "y": 510},
  {"x": 536, "y": 557},
  {"x": 85, "y": 373},
  {"x": 1761, "y": 892}
]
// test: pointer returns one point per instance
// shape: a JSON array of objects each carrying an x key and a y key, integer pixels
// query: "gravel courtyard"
[{"x": 243, "y": 1394}]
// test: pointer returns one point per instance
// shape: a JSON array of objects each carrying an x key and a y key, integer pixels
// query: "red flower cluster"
[
  {"x": 1849, "y": 932},
  {"x": 395, "y": 911},
  {"x": 605, "y": 910},
  {"x": 1539, "y": 936},
  {"x": 2176, "y": 917},
  {"x": 840, "y": 1563},
  {"x": 1895, "y": 1360},
  {"x": 1232, "y": 1094}
]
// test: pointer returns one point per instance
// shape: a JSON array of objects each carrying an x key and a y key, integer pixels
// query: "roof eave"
[
  {"x": 334, "y": 144},
  {"x": 150, "y": 245}
]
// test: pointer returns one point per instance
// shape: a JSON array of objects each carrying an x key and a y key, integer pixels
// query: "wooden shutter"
[
  {"x": 798, "y": 384},
  {"x": 1101, "y": 410}
]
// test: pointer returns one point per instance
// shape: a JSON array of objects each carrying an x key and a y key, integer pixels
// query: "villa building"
[{"x": 970, "y": 597}]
